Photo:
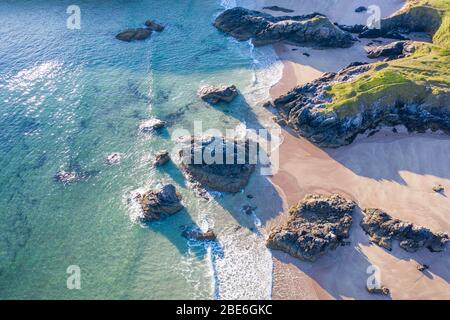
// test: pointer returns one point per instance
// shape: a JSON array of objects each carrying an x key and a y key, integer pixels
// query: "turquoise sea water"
[{"x": 68, "y": 98}]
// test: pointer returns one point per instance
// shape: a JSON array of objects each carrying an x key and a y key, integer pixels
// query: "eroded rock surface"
[
  {"x": 383, "y": 230},
  {"x": 156, "y": 204},
  {"x": 134, "y": 34},
  {"x": 309, "y": 30},
  {"x": 217, "y": 163},
  {"x": 216, "y": 94},
  {"x": 394, "y": 50},
  {"x": 315, "y": 226}
]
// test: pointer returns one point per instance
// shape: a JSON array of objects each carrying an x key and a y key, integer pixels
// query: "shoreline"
[{"x": 394, "y": 172}]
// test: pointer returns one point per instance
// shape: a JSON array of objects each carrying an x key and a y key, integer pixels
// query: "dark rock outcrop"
[
  {"x": 379, "y": 290},
  {"x": 315, "y": 226},
  {"x": 134, "y": 34},
  {"x": 305, "y": 109},
  {"x": 156, "y": 204},
  {"x": 383, "y": 230},
  {"x": 151, "y": 125},
  {"x": 394, "y": 50},
  {"x": 152, "y": 25},
  {"x": 277, "y": 8},
  {"x": 309, "y": 30},
  {"x": 161, "y": 158},
  {"x": 216, "y": 163},
  {"x": 361, "y": 9},
  {"x": 195, "y": 233},
  {"x": 216, "y": 94},
  {"x": 114, "y": 158},
  {"x": 439, "y": 189},
  {"x": 65, "y": 177}
]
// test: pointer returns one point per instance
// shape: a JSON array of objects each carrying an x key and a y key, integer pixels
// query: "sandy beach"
[{"x": 391, "y": 171}]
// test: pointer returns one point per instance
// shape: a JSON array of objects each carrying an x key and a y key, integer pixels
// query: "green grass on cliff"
[{"x": 404, "y": 80}]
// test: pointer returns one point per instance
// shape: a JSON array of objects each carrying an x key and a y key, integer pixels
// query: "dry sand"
[{"x": 394, "y": 172}]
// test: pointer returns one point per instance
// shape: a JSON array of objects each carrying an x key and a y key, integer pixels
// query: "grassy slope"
[{"x": 405, "y": 79}]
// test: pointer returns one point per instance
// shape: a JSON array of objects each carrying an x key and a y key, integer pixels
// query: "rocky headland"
[
  {"x": 315, "y": 226},
  {"x": 313, "y": 30}
]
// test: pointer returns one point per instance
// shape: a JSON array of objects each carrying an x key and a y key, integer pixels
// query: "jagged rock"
[
  {"x": 422, "y": 267},
  {"x": 198, "y": 234},
  {"x": 208, "y": 161},
  {"x": 305, "y": 109},
  {"x": 248, "y": 209},
  {"x": 66, "y": 177},
  {"x": 379, "y": 290},
  {"x": 361, "y": 9},
  {"x": 152, "y": 25},
  {"x": 158, "y": 203},
  {"x": 161, "y": 158},
  {"x": 394, "y": 50},
  {"x": 215, "y": 94},
  {"x": 134, "y": 34},
  {"x": 277, "y": 8},
  {"x": 439, "y": 189},
  {"x": 315, "y": 226},
  {"x": 151, "y": 125},
  {"x": 114, "y": 158},
  {"x": 309, "y": 30},
  {"x": 383, "y": 229}
]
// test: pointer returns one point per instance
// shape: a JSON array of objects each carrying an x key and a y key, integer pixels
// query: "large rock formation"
[
  {"x": 309, "y": 30},
  {"x": 156, "y": 204},
  {"x": 383, "y": 230},
  {"x": 315, "y": 226},
  {"x": 306, "y": 108},
  {"x": 216, "y": 163},
  {"x": 152, "y": 25},
  {"x": 134, "y": 34},
  {"x": 215, "y": 94}
]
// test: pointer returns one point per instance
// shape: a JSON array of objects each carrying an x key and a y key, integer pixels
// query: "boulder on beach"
[
  {"x": 383, "y": 230},
  {"x": 161, "y": 158},
  {"x": 152, "y": 25},
  {"x": 313, "y": 30},
  {"x": 134, "y": 34},
  {"x": 216, "y": 94},
  {"x": 316, "y": 225},
  {"x": 394, "y": 50},
  {"x": 156, "y": 204},
  {"x": 151, "y": 125},
  {"x": 439, "y": 189},
  {"x": 217, "y": 163}
]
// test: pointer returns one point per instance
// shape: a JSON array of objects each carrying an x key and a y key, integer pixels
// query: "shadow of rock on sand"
[
  {"x": 343, "y": 273},
  {"x": 385, "y": 158}
]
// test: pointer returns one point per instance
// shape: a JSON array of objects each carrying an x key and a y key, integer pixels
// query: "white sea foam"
[{"x": 228, "y": 4}]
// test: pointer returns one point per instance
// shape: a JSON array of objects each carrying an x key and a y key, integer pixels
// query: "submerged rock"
[
  {"x": 134, "y": 34},
  {"x": 114, "y": 158},
  {"x": 66, "y": 176},
  {"x": 161, "y": 158},
  {"x": 309, "y": 30},
  {"x": 217, "y": 163},
  {"x": 315, "y": 226},
  {"x": 151, "y": 125},
  {"x": 152, "y": 25},
  {"x": 215, "y": 94},
  {"x": 156, "y": 204},
  {"x": 198, "y": 234},
  {"x": 383, "y": 230}
]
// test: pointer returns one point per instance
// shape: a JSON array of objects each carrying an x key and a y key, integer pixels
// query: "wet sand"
[{"x": 394, "y": 172}]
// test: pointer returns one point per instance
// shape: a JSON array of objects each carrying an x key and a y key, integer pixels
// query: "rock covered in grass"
[
  {"x": 156, "y": 204},
  {"x": 216, "y": 94},
  {"x": 383, "y": 230},
  {"x": 316, "y": 225},
  {"x": 309, "y": 30},
  {"x": 217, "y": 163}
]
